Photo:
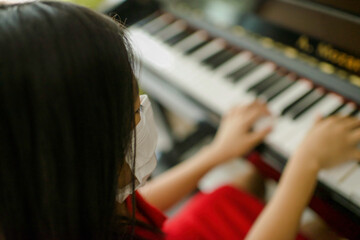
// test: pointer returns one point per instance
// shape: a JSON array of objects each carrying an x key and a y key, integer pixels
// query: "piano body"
[{"x": 200, "y": 58}]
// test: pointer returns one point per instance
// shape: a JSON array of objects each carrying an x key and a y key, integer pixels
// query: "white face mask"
[{"x": 146, "y": 141}]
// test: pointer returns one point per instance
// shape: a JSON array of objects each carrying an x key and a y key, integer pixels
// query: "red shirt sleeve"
[{"x": 148, "y": 214}]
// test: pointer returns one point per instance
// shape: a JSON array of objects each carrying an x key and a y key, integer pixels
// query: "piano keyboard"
[{"x": 219, "y": 76}]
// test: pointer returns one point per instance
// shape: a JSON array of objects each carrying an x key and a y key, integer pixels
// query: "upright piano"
[{"x": 302, "y": 57}]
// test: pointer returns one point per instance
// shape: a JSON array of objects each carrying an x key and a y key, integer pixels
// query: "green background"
[{"x": 88, "y": 3}]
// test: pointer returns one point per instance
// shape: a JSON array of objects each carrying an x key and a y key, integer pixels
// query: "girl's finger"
[
  {"x": 355, "y": 135},
  {"x": 252, "y": 116},
  {"x": 253, "y": 105},
  {"x": 233, "y": 110},
  {"x": 258, "y": 136},
  {"x": 318, "y": 118},
  {"x": 340, "y": 118},
  {"x": 356, "y": 155},
  {"x": 352, "y": 123}
]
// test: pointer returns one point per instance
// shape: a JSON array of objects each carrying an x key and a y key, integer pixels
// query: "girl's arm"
[
  {"x": 281, "y": 217},
  {"x": 234, "y": 138},
  {"x": 329, "y": 143},
  {"x": 168, "y": 188}
]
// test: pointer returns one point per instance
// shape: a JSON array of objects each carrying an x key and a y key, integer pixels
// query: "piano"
[{"x": 200, "y": 58}]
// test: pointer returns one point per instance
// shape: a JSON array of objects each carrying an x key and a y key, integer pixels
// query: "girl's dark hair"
[{"x": 66, "y": 115}]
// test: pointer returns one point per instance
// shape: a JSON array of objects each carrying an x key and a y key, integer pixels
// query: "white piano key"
[
  {"x": 152, "y": 52},
  {"x": 285, "y": 125},
  {"x": 211, "y": 92},
  {"x": 234, "y": 63},
  {"x": 189, "y": 67},
  {"x": 225, "y": 90},
  {"x": 214, "y": 95},
  {"x": 238, "y": 90},
  {"x": 186, "y": 66},
  {"x": 192, "y": 69},
  {"x": 171, "y": 69},
  {"x": 264, "y": 123},
  {"x": 350, "y": 186},
  {"x": 255, "y": 76},
  {"x": 221, "y": 72},
  {"x": 198, "y": 70},
  {"x": 160, "y": 56},
  {"x": 171, "y": 30},
  {"x": 156, "y": 55},
  {"x": 306, "y": 121},
  {"x": 325, "y": 105},
  {"x": 334, "y": 176},
  {"x": 328, "y": 104},
  {"x": 158, "y": 22},
  {"x": 191, "y": 64},
  {"x": 273, "y": 89},
  {"x": 295, "y": 91},
  {"x": 347, "y": 109},
  {"x": 191, "y": 41},
  {"x": 306, "y": 104},
  {"x": 355, "y": 197},
  {"x": 338, "y": 101},
  {"x": 209, "y": 49},
  {"x": 275, "y": 139}
]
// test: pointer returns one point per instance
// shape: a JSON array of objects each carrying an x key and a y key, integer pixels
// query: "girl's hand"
[
  {"x": 234, "y": 137},
  {"x": 331, "y": 141}
]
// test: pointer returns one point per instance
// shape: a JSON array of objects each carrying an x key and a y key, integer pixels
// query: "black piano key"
[
  {"x": 336, "y": 110},
  {"x": 353, "y": 113},
  {"x": 253, "y": 87},
  {"x": 222, "y": 59},
  {"x": 307, "y": 104},
  {"x": 209, "y": 60},
  {"x": 171, "y": 29},
  {"x": 197, "y": 46},
  {"x": 178, "y": 37},
  {"x": 151, "y": 27},
  {"x": 303, "y": 103},
  {"x": 146, "y": 20},
  {"x": 245, "y": 71},
  {"x": 294, "y": 103},
  {"x": 237, "y": 74},
  {"x": 153, "y": 30},
  {"x": 265, "y": 83},
  {"x": 272, "y": 93},
  {"x": 347, "y": 110},
  {"x": 219, "y": 57}
]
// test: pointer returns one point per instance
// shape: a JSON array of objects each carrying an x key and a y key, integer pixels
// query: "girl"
[{"x": 76, "y": 140}]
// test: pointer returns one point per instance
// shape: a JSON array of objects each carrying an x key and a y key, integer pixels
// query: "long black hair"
[{"x": 66, "y": 115}]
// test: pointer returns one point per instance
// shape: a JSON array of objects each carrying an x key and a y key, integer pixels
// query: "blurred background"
[{"x": 94, "y": 4}]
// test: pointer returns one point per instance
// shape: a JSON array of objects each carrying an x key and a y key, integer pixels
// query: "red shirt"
[{"x": 226, "y": 213}]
